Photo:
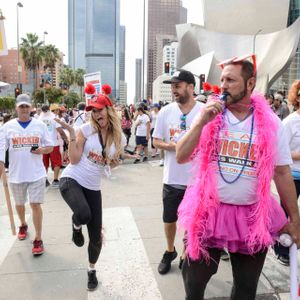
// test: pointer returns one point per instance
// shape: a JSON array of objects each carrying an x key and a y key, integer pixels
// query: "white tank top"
[{"x": 87, "y": 172}]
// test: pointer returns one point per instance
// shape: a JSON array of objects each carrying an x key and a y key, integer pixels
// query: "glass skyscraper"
[
  {"x": 122, "y": 52},
  {"x": 76, "y": 29},
  {"x": 94, "y": 27}
]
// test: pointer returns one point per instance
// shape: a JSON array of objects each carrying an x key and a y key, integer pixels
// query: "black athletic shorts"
[
  {"x": 171, "y": 199},
  {"x": 141, "y": 140}
]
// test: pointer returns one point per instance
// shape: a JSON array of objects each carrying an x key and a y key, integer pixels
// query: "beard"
[
  {"x": 182, "y": 99},
  {"x": 235, "y": 99}
]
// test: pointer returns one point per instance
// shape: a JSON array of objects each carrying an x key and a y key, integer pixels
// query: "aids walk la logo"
[{"x": 233, "y": 151}]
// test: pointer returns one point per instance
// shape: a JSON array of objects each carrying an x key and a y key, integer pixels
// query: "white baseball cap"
[{"x": 23, "y": 99}]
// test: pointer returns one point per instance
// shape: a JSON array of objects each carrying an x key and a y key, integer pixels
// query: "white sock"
[
  {"x": 91, "y": 268},
  {"x": 77, "y": 227}
]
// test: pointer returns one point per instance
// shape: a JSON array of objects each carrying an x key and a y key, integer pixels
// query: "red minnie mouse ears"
[
  {"x": 99, "y": 101},
  {"x": 106, "y": 89},
  {"x": 89, "y": 89}
]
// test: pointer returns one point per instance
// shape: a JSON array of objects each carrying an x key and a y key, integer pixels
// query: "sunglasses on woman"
[{"x": 95, "y": 110}]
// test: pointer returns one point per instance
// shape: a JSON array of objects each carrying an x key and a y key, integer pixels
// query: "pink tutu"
[{"x": 228, "y": 227}]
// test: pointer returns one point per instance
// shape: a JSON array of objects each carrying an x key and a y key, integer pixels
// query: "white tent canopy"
[{"x": 4, "y": 85}]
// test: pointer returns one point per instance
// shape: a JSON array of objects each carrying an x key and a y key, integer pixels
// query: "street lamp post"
[
  {"x": 19, "y": 4},
  {"x": 44, "y": 77},
  {"x": 45, "y": 32},
  {"x": 144, "y": 49},
  {"x": 254, "y": 39}
]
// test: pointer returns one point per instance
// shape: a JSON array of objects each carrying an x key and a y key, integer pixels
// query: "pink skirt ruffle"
[{"x": 228, "y": 227}]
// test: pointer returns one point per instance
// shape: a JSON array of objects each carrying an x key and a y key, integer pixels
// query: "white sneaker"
[{"x": 161, "y": 162}]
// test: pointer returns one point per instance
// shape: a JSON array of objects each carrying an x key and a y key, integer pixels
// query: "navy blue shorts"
[{"x": 141, "y": 140}]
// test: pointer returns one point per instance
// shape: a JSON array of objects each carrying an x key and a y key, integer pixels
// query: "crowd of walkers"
[
  {"x": 86, "y": 142},
  {"x": 235, "y": 146}
]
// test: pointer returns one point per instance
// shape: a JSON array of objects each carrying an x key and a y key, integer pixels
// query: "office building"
[
  {"x": 76, "y": 33},
  {"x": 138, "y": 80},
  {"x": 162, "y": 19},
  {"x": 170, "y": 58},
  {"x": 292, "y": 73},
  {"x": 123, "y": 93},
  {"x": 94, "y": 39},
  {"x": 122, "y": 52},
  {"x": 161, "y": 91}
]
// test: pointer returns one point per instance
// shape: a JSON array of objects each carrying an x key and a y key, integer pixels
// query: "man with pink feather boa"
[{"x": 238, "y": 147}]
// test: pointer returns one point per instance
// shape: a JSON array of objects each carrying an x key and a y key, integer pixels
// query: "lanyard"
[
  {"x": 247, "y": 155},
  {"x": 102, "y": 145}
]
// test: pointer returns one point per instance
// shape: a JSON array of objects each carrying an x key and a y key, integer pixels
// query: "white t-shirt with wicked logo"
[
  {"x": 233, "y": 148},
  {"x": 87, "y": 172},
  {"x": 25, "y": 166},
  {"x": 167, "y": 128}
]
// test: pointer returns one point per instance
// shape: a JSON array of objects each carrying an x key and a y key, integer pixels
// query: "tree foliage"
[
  {"x": 79, "y": 79},
  {"x": 32, "y": 52},
  {"x": 66, "y": 77},
  {"x": 7, "y": 103},
  {"x": 51, "y": 56},
  {"x": 71, "y": 99},
  {"x": 53, "y": 95}
]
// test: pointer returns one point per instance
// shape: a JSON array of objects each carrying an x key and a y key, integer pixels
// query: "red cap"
[{"x": 99, "y": 101}]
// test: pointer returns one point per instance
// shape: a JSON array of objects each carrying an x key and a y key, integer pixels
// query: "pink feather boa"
[{"x": 201, "y": 198}]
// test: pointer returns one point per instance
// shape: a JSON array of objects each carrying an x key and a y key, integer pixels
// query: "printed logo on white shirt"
[
  {"x": 233, "y": 149},
  {"x": 21, "y": 142},
  {"x": 176, "y": 132},
  {"x": 95, "y": 158}
]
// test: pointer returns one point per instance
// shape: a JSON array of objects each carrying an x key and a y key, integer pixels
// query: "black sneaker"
[
  {"x": 78, "y": 237},
  {"x": 47, "y": 183},
  {"x": 145, "y": 158},
  {"x": 136, "y": 161},
  {"x": 55, "y": 183},
  {"x": 181, "y": 260},
  {"x": 224, "y": 255},
  {"x": 283, "y": 259},
  {"x": 165, "y": 264},
  {"x": 92, "y": 280}
]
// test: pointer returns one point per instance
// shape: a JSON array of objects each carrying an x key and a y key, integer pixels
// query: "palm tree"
[
  {"x": 79, "y": 80},
  {"x": 51, "y": 56},
  {"x": 32, "y": 52},
  {"x": 66, "y": 77}
]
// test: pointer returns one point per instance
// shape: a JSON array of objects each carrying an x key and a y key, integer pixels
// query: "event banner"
[
  {"x": 3, "y": 46},
  {"x": 95, "y": 80}
]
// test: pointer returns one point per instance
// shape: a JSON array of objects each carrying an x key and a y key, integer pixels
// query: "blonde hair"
[
  {"x": 294, "y": 94},
  {"x": 113, "y": 135}
]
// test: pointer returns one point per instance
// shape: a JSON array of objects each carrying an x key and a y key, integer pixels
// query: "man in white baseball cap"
[
  {"x": 26, "y": 139},
  {"x": 23, "y": 99}
]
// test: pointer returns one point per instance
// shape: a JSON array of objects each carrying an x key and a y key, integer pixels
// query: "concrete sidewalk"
[{"x": 134, "y": 244}]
